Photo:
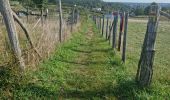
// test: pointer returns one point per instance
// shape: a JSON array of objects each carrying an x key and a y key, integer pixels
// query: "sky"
[{"x": 140, "y": 1}]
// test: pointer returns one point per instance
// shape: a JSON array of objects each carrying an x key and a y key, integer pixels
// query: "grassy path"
[{"x": 84, "y": 68}]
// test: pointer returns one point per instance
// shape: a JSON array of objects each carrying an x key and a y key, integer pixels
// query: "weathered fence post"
[
  {"x": 110, "y": 30},
  {"x": 121, "y": 30},
  {"x": 145, "y": 66},
  {"x": 114, "y": 30},
  {"x": 6, "y": 11},
  {"x": 26, "y": 32},
  {"x": 103, "y": 26},
  {"x": 73, "y": 16},
  {"x": 100, "y": 24},
  {"x": 46, "y": 15},
  {"x": 107, "y": 24},
  {"x": 61, "y": 21},
  {"x": 109, "y": 33},
  {"x": 77, "y": 16},
  {"x": 27, "y": 14},
  {"x": 95, "y": 20},
  {"x": 42, "y": 17},
  {"x": 125, "y": 37}
]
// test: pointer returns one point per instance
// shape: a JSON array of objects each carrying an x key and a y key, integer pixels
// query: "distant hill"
[{"x": 134, "y": 5}]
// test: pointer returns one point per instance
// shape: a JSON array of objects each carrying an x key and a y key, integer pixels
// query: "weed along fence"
[
  {"x": 43, "y": 30},
  {"x": 109, "y": 31}
]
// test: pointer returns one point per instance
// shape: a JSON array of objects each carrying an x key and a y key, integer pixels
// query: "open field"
[
  {"x": 160, "y": 88},
  {"x": 161, "y": 80}
]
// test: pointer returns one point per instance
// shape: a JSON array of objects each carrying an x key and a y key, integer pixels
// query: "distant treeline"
[{"x": 90, "y": 4}]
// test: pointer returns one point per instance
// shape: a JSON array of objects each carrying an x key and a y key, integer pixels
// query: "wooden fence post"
[
  {"x": 109, "y": 33},
  {"x": 145, "y": 65},
  {"x": 100, "y": 24},
  {"x": 73, "y": 16},
  {"x": 121, "y": 30},
  {"x": 114, "y": 30},
  {"x": 46, "y": 15},
  {"x": 95, "y": 20},
  {"x": 103, "y": 26},
  {"x": 125, "y": 37},
  {"x": 107, "y": 24},
  {"x": 27, "y": 14},
  {"x": 61, "y": 21},
  {"x": 26, "y": 33},
  {"x": 110, "y": 30},
  {"x": 42, "y": 17},
  {"x": 7, "y": 14}
]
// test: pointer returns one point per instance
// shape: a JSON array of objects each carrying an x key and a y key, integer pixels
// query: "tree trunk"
[
  {"x": 145, "y": 66},
  {"x": 12, "y": 34}
]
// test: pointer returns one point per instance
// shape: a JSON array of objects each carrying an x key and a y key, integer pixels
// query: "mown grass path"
[{"x": 84, "y": 68}]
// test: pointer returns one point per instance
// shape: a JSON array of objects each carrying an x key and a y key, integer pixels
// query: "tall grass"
[{"x": 45, "y": 38}]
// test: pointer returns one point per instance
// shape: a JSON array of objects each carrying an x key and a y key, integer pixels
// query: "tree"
[
  {"x": 41, "y": 4},
  {"x": 139, "y": 11},
  {"x": 146, "y": 10}
]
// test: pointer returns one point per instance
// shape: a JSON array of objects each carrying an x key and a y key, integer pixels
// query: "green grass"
[
  {"x": 160, "y": 88},
  {"x": 86, "y": 68}
]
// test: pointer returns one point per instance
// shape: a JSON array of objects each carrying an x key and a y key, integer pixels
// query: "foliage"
[
  {"x": 41, "y": 3},
  {"x": 139, "y": 11}
]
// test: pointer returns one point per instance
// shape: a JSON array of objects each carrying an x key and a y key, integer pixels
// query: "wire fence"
[{"x": 44, "y": 32}]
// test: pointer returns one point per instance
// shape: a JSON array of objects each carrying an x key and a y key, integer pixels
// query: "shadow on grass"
[
  {"x": 123, "y": 91},
  {"x": 39, "y": 91},
  {"x": 126, "y": 90},
  {"x": 9, "y": 77},
  {"x": 88, "y": 94},
  {"x": 87, "y": 63}
]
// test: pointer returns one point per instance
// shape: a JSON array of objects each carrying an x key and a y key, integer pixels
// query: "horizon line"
[{"x": 134, "y": 2}]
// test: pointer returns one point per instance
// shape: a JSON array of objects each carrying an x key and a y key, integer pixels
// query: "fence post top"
[
  {"x": 154, "y": 9},
  {"x": 115, "y": 13}
]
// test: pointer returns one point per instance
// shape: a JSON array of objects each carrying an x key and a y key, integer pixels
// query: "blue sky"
[{"x": 143, "y": 1}]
